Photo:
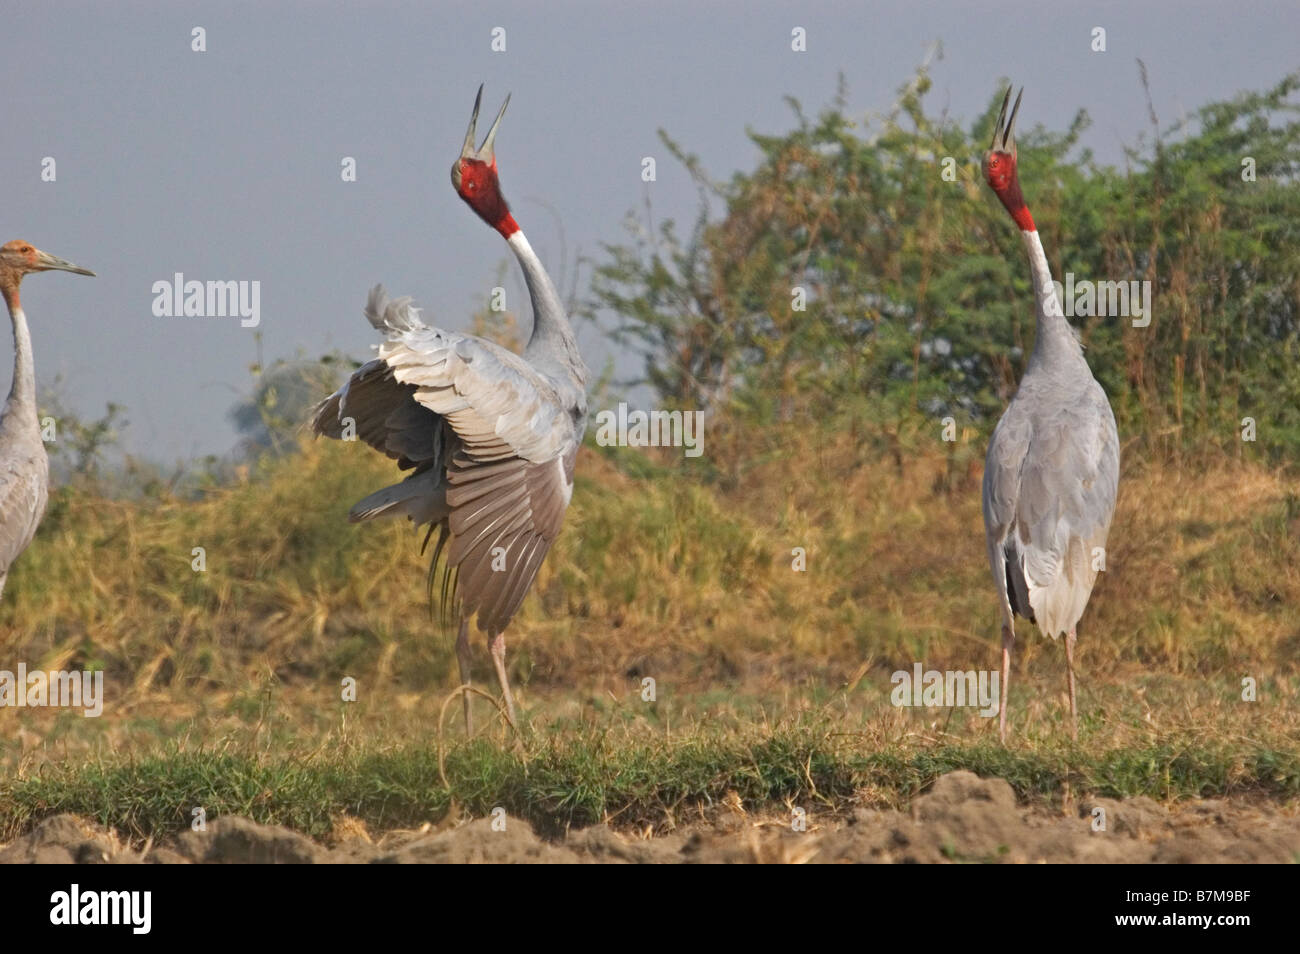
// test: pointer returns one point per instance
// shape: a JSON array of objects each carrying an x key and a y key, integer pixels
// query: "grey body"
[
  {"x": 1051, "y": 475},
  {"x": 24, "y": 466},
  {"x": 490, "y": 438}
]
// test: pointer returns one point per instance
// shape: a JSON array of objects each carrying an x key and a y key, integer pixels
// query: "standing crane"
[
  {"x": 1052, "y": 470},
  {"x": 490, "y": 437},
  {"x": 24, "y": 466}
]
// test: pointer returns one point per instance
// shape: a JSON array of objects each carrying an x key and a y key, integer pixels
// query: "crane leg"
[
  {"x": 1008, "y": 641},
  {"x": 463, "y": 658},
  {"x": 499, "y": 660},
  {"x": 1069, "y": 672}
]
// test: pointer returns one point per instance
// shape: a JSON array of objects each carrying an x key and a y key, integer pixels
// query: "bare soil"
[{"x": 962, "y": 818}]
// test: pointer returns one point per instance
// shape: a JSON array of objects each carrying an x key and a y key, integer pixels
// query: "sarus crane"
[
  {"x": 1052, "y": 470},
  {"x": 24, "y": 466},
  {"x": 490, "y": 437}
]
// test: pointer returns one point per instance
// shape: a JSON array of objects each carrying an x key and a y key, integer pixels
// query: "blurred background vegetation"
[{"x": 918, "y": 295}]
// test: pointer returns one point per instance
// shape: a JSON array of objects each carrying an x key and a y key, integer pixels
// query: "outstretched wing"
[
  {"x": 505, "y": 514},
  {"x": 1049, "y": 495},
  {"x": 488, "y": 394},
  {"x": 510, "y": 480},
  {"x": 373, "y": 406},
  {"x": 507, "y": 453}
]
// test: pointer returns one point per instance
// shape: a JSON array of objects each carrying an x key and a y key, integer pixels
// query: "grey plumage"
[
  {"x": 490, "y": 441},
  {"x": 1050, "y": 482},
  {"x": 24, "y": 487}
]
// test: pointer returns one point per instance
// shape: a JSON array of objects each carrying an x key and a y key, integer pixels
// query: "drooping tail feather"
[
  {"x": 448, "y": 603},
  {"x": 420, "y": 497},
  {"x": 389, "y": 502}
]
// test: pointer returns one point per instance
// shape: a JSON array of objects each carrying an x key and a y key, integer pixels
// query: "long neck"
[
  {"x": 552, "y": 335},
  {"x": 22, "y": 396},
  {"x": 1055, "y": 340}
]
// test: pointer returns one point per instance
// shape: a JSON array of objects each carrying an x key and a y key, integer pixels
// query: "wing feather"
[{"x": 501, "y": 436}]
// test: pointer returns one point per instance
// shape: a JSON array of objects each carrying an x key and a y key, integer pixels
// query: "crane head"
[
  {"x": 19, "y": 258},
  {"x": 474, "y": 174},
  {"x": 1001, "y": 164}
]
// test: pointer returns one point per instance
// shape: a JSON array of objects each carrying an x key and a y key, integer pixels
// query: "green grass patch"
[{"x": 630, "y": 777}]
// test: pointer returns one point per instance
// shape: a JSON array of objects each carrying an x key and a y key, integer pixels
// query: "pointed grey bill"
[
  {"x": 1009, "y": 140},
  {"x": 467, "y": 150},
  {"x": 486, "y": 151},
  {"x": 997, "y": 126},
  {"x": 53, "y": 263},
  {"x": 1005, "y": 129}
]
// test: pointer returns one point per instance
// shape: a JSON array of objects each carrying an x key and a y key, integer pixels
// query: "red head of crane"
[
  {"x": 1001, "y": 167},
  {"x": 474, "y": 175}
]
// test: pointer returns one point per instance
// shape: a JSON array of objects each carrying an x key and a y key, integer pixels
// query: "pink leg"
[
  {"x": 1008, "y": 640},
  {"x": 463, "y": 658},
  {"x": 1069, "y": 669},
  {"x": 499, "y": 660}
]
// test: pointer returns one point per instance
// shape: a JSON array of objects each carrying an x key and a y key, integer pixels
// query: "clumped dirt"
[{"x": 961, "y": 818}]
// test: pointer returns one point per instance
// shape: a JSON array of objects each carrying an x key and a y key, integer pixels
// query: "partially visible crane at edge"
[
  {"x": 24, "y": 466},
  {"x": 1052, "y": 471},
  {"x": 490, "y": 437}
]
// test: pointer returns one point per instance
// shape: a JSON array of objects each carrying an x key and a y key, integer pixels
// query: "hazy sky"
[{"x": 225, "y": 165}]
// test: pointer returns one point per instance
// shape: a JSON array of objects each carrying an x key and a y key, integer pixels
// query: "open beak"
[
  {"x": 1006, "y": 129},
  {"x": 48, "y": 262},
  {"x": 485, "y": 152}
]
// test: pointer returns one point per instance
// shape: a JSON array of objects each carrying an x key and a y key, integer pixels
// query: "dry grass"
[{"x": 658, "y": 574}]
